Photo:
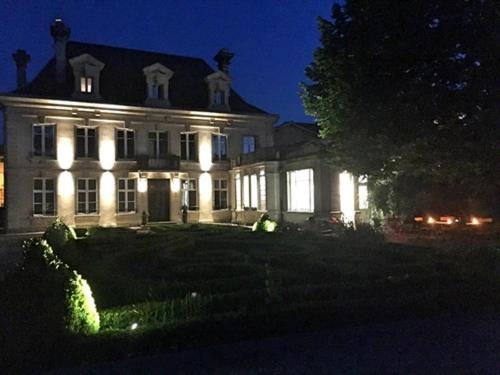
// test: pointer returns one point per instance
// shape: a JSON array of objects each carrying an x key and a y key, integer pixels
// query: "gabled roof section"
[{"x": 122, "y": 79}]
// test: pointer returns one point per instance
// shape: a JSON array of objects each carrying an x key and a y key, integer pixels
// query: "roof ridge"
[{"x": 137, "y": 50}]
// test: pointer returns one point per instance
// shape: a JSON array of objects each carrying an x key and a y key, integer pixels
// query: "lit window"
[
  {"x": 262, "y": 191},
  {"x": 219, "y": 147},
  {"x": 248, "y": 144},
  {"x": 44, "y": 139},
  {"x": 362, "y": 193},
  {"x": 189, "y": 194},
  {"x": 237, "y": 191},
  {"x": 246, "y": 191},
  {"x": 220, "y": 194},
  {"x": 86, "y": 196},
  {"x": 125, "y": 144},
  {"x": 157, "y": 144},
  {"x": 86, "y": 84},
  {"x": 127, "y": 194},
  {"x": 86, "y": 140},
  {"x": 188, "y": 146},
  {"x": 254, "y": 191},
  {"x": 43, "y": 196},
  {"x": 300, "y": 190}
]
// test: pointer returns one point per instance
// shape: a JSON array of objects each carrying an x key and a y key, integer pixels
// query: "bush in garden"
[
  {"x": 58, "y": 298},
  {"x": 58, "y": 234},
  {"x": 264, "y": 224}
]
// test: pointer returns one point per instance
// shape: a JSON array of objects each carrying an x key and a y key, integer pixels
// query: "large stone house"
[{"x": 105, "y": 136}]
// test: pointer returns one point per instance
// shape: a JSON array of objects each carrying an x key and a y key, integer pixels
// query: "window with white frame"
[
  {"x": 237, "y": 191},
  {"x": 220, "y": 194},
  {"x": 86, "y": 196},
  {"x": 86, "y": 142},
  {"x": 188, "y": 147},
  {"x": 254, "y": 191},
  {"x": 300, "y": 190},
  {"x": 246, "y": 191},
  {"x": 262, "y": 190},
  {"x": 44, "y": 196},
  {"x": 157, "y": 144},
  {"x": 127, "y": 188},
  {"x": 219, "y": 147},
  {"x": 86, "y": 84},
  {"x": 249, "y": 144},
  {"x": 362, "y": 193},
  {"x": 125, "y": 144},
  {"x": 44, "y": 136},
  {"x": 190, "y": 194}
]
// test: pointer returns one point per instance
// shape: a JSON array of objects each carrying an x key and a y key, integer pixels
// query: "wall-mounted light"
[
  {"x": 107, "y": 154},
  {"x": 175, "y": 184},
  {"x": 142, "y": 184}
]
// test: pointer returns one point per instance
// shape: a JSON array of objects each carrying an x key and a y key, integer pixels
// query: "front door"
[{"x": 159, "y": 200}]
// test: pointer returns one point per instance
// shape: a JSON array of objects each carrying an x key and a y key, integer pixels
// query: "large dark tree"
[{"x": 408, "y": 93}]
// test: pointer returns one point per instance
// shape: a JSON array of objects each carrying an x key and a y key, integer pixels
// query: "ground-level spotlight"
[{"x": 134, "y": 326}]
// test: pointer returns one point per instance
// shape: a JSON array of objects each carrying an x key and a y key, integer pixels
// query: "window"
[
  {"x": 246, "y": 191},
  {"x": 44, "y": 196},
  {"x": 157, "y": 144},
  {"x": 262, "y": 191},
  {"x": 362, "y": 193},
  {"x": 86, "y": 141},
  {"x": 126, "y": 194},
  {"x": 254, "y": 188},
  {"x": 220, "y": 194},
  {"x": 219, "y": 147},
  {"x": 219, "y": 97},
  {"x": 190, "y": 195},
  {"x": 248, "y": 144},
  {"x": 237, "y": 191},
  {"x": 300, "y": 190},
  {"x": 188, "y": 146},
  {"x": 44, "y": 139},
  {"x": 86, "y": 84},
  {"x": 125, "y": 144},
  {"x": 86, "y": 196}
]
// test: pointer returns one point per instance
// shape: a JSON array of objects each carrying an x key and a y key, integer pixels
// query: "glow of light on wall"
[
  {"x": 107, "y": 192},
  {"x": 65, "y": 152},
  {"x": 205, "y": 156},
  {"x": 205, "y": 196},
  {"x": 175, "y": 184},
  {"x": 65, "y": 186},
  {"x": 142, "y": 185},
  {"x": 346, "y": 190},
  {"x": 107, "y": 154}
]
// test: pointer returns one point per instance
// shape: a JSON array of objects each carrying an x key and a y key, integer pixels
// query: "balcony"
[
  {"x": 262, "y": 154},
  {"x": 167, "y": 162}
]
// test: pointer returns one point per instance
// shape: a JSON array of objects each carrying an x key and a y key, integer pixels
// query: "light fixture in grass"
[{"x": 264, "y": 224}]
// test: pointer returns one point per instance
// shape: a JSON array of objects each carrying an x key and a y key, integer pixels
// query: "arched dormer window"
[
  {"x": 219, "y": 88},
  {"x": 157, "y": 80},
  {"x": 86, "y": 70}
]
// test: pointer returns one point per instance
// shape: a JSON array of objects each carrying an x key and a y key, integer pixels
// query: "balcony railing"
[
  {"x": 262, "y": 154},
  {"x": 167, "y": 162}
]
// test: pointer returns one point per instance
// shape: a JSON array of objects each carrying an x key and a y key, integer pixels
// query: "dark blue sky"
[{"x": 273, "y": 40}]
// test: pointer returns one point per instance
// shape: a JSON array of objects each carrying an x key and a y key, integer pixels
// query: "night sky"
[{"x": 273, "y": 41}]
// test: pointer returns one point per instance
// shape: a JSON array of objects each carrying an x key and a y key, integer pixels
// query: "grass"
[{"x": 203, "y": 283}]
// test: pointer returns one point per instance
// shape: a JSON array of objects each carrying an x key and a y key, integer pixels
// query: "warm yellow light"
[
  {"x": 346, "y": 189},
  {"x": 430, "y": 220},
  {"x": 107, "y": 154},
  {"x": 175, "y": 184},
  {"x": 205, "y": 153},
  {"x": 205, "y": 197},
  {"x": 65, "y": 185},
  {"x": 142, "y": 185},
  {"x": 475, "y": 221},
  {"x": 107, "y": 192},
  {"x": 65, "y": 152}
]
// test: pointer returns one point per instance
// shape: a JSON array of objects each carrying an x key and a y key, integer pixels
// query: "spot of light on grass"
[{"x": 134, "y": 326}]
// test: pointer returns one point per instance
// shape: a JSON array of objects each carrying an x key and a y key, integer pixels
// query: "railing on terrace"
[
  {"x": 262, "y": 154},
  {"x": 167, "y": 162}
]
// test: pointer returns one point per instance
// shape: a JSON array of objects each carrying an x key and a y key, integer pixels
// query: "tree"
[{"x": 408, "y": 93}]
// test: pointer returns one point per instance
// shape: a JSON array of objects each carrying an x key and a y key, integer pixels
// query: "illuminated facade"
[{"x": 105, "y": 135}]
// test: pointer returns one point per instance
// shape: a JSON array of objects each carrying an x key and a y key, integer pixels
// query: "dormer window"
[
  {"x": 86, "y": 70},
  {"x": 219, "y": 87},
  {"x": 86, "y": 84},
  {"x": 157, "y": 81}
]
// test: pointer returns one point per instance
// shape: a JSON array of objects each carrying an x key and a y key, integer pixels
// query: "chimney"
[
  {"x": 223, "y": 59},
  {"x": 60, "y": 32},
  {"x": 22, "y": 59}
]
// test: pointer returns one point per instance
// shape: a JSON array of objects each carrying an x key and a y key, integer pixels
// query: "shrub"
[
  {"x": 363, "y": 235},
  {"x": 58, "y": 234},
  {"x": 59, "y": 298},
  {"x": 264, "y": 224}
]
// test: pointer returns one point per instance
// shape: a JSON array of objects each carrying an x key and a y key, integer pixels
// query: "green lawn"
[{"x": 187, "y": 284}]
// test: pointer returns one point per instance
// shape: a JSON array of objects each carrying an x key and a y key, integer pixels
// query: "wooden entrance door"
[{"x": 159, "y": 199}]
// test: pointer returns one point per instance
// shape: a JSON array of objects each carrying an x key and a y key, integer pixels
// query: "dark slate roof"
[{"x": 122, "y": 80}]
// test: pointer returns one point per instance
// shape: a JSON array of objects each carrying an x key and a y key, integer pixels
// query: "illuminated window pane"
[
  {"x": 363, "y": 197},
  {"x": 262, "y": 191},
  {"x": 246, "y": 191},
  {"x": 254, "y": 191},
  {"x": 300, "y": 190},
  {"x": 237, "y": 191}
]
